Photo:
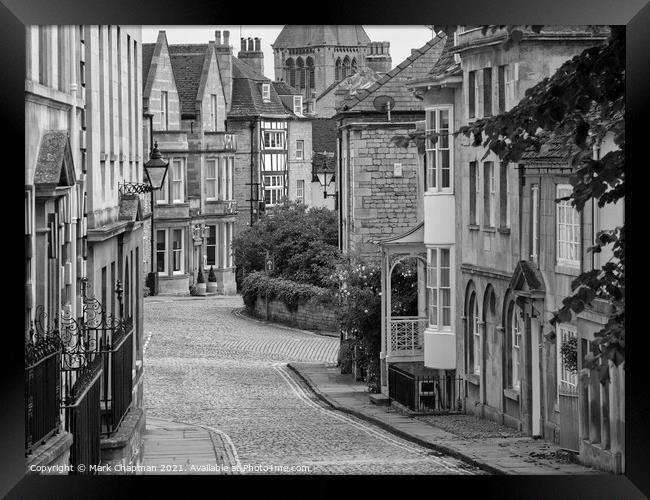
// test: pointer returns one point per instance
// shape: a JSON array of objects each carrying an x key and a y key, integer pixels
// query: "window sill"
[
  {"x": 504, "y": 230},
  {"x": 473, "y": 378},
  {"x": 489, "y": 229},
  {"x": 473, "y": 227},
  {"x": 568, "y": 270},
  {"x": 511, "y": 393}
]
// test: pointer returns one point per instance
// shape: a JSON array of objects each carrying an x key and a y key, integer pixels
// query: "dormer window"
[
  {"x": 297, "y": 104},
  {"x": 266, "y": 92}
]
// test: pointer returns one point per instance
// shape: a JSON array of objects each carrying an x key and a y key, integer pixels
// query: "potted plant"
[
  {"x": 200, "y": 282},
  {"x": 212, "y": 281}
]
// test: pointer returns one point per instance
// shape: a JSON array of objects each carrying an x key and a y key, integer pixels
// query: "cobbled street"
[{"x": 208, "y": 366}]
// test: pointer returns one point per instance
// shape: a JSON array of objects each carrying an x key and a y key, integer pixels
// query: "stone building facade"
[
  {"x": 380, "y": 183},
  {"x": 195, "y": 211},
  {"x": 83, "y": 241}
]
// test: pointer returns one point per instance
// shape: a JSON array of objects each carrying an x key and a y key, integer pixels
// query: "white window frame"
[
  {"x": 492, "y": 183},
  {"x": 434, "y": 173},
  {"x": 297, "y": 104},
  {"x": 164, "y": 110},
  {"x": 213, "y": 111},
  {"x": 164, "y": 251},
  {"x": 564, "y": 377},
  {"x": 300, "y": 190},
  {"x": 266, "y": 92},
  {"x": 516, "y": 324},
  {"x": 534, "y": 195},
  {"x": 567, "y": 229},
  {"x": 273, "y": 139},
  {"x": 175, "y": 181},
  {"x": 436, "y": 304},
  {"x": 181, "y": 249},
  {"x": 274, "y": 184},
  {"x": 511, "y": 76},
  {"x": 212, "y": 181},
  {"x": 300, "y": 149}
]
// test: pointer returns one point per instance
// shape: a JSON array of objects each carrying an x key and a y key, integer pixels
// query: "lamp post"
[
  {"x": 156, "y": 170},
  {"x": 325, "y": 178}
]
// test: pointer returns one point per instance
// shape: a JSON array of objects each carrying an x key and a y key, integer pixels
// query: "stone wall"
[
  {"x": 124, "y": 448},
  {"x": 310, "y": 316}
]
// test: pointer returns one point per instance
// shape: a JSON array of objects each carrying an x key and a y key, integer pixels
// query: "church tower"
[{"x": 311, "y": 57}]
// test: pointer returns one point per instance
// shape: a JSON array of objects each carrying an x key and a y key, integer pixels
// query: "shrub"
[
  {"x": 199, "y": 276},
  {"x": 303, "y": 243},
  {"x": 211, "y": 276},
  {"x": 292, "y": 294}
]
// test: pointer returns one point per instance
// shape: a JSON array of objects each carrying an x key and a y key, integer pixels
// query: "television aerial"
[{"x": 384, "y": 103}]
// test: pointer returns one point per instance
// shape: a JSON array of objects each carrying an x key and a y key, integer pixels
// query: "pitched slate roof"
[
  {"x": 555, "y": 150},
  {"x": 54, "y": 163},
  {"x": 293, "y": 36},
  {"x": 283, "y": 88},
  {"x": 130, "y": 207},
  {"x": 446, "y": 65},
  {"x": 393, "y": 83},
  {"x": 362, "y": 79},
  {"x": 147, "y": 54},
  {"x": 247, "y": 93},
  {"x": 187, "y": 65},
  {"x": 526, "y": 275}
]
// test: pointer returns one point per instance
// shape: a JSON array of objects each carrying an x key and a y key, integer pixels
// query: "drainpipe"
[
  {"x": 339, "y": 182},
  {"x": 252, "y": 127}
]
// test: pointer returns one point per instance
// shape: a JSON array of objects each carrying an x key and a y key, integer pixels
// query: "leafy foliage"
[
  {"x": 582, "y": 103},
  {"x": 292, "y": 294},
  {"x": 212, "y": 278},
  {"x": 199, "y": 276},
  {"x": 303, "y": 243}
]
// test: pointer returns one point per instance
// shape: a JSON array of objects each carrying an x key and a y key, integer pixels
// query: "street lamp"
[
  {"x": 325, "y": 178},
  {"x": 156, "y": 170}
]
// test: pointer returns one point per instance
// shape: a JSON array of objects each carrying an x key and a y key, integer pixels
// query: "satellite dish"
[{"x": 384, "y": 103}]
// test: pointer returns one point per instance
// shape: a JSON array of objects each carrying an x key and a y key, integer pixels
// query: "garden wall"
[{"x": 311, "y": 315}]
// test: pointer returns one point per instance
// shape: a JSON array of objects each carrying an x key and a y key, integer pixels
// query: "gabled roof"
[
  {"x": 247, "y": 93},
  {"x": 445, "y": 67},
  {"x": 555, "y": 150},
  {"x": 293, "y": 36},
  {"x": 283, "y": 88},
  {"x": 54, "y": 165},
  {"x": 393, "y": 83},
  {"x": 187, "y": 64},
  {"x": 147, "y": 54},
  {"x": 527, "y": 278},
  {"x": 130, "y": 207},
  {"x": 362, "y": 79}
]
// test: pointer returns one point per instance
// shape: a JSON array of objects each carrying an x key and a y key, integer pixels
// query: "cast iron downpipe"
[{"x": 252, "y": 127}]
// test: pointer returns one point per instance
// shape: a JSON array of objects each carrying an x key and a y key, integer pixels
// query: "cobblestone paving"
[{"x": 207, "y": 366}]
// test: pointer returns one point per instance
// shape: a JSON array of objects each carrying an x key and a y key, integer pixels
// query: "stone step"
[{"x": 379, "y": 399}]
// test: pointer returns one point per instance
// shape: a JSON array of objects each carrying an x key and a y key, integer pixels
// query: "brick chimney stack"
[
  {"x": 378, "y": 57},
  {"x": 224, "y": 55},
  {"x": 251, "y": 53}
]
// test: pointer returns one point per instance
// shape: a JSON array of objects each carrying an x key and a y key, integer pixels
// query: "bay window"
[
  {"x": 439, "y": 288},
  {"x": 273, "y": 189},
  {"x": 567, "y": 229},
  {"x": 438, "y": 149}
]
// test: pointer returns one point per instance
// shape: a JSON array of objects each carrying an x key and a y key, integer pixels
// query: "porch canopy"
[{"x": 402, "y": 336}]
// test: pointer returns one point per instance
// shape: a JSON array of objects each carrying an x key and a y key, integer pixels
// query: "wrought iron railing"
[
  {"x": 42, "y": 388},
  {"x": 405, "y": 335},
  {"x": 82, "y": 419},
  {"x": 426, "y": 394},
  {"x": 117, "y": 378}
]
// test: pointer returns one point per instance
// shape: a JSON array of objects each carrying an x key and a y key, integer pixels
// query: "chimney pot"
[
  {"x": 226, "y": 37},
  {"x": 243, "y": 45},
  {"x": 217, "y": 37},
  {"x": 251, "y": 47},
  {"x": 257, "y": 44}
]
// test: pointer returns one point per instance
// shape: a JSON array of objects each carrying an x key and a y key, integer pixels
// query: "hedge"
[{"x": 291, "y": 293}]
